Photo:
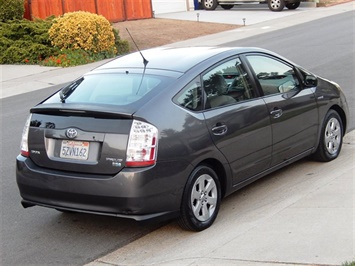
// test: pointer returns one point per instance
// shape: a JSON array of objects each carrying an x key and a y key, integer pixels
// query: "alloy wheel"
[
  {"x": 204, "y": 197},
  {"x": 276, "y": 5},
  {"x": 332, "y": 136}
]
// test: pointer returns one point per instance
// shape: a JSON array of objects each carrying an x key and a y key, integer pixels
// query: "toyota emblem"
[{"x": 71, "y": 133}]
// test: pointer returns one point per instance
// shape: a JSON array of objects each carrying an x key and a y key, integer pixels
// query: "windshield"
[{"x": 116, "y": 89}]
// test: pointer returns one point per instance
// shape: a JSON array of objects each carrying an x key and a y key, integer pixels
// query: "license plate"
[{"x": 78, "y": 150}]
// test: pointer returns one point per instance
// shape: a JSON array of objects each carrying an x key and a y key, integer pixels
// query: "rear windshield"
[{"x": 116, "y": 89}]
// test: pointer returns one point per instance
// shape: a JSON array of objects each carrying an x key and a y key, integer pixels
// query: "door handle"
[
  {"x": 219, "y": 129},
  {"x": 276, "y": 113}
]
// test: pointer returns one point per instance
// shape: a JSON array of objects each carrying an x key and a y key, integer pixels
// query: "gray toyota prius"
[{"x": 169, "y": 132}]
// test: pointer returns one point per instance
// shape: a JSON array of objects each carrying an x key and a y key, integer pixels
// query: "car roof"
[{"x": 171, "y": 58}]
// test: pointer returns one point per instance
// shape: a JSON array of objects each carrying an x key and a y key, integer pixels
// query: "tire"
[
  {"x": 293, "y": 5},
  {"x": 276, "y": 5},
  {"x": 331, "y": 139},
  {"x": 227, "y": 7},
  {"x": 209, "y": 4},
  {"x": 201, "y": 200}
]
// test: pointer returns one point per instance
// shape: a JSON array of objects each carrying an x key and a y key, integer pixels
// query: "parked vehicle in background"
[
  {"x": 172, "y": 133},
  {"x": 274, "y": 5}
]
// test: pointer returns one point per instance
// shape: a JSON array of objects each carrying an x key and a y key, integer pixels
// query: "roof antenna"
[{"x": 145, "y": 61}]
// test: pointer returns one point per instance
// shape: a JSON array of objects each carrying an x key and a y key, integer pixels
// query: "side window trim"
[{"x": 250, "y": 72}]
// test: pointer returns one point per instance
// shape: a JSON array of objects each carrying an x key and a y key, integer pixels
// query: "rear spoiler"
[{"x": 85, "y": 110}]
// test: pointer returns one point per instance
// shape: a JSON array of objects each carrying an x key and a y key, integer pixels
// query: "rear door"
[
  {"x": 292, "y": 109},
  {"x": 237, "y": 119}
]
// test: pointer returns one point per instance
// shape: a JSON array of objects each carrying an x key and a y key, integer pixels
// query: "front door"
[{"x": 292, "y": 109}]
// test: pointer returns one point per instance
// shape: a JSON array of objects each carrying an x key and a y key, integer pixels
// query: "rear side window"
[
  {"x": 116, "y": 89},
  {"x": 191, "y": 96}
]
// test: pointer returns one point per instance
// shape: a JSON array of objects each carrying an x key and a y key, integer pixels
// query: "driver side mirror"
[{"x": 310, "y": 81}]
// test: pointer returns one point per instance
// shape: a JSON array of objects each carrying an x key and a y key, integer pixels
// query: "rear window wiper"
[{"x": 66, "y": 91}]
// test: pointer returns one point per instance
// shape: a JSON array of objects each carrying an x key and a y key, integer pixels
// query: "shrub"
[
  {"x": 25, "y": 52},
  {"x": 83, "y": 30},
  {"x": 25, "y": 41},
  {"x": 122, "y": 46},
  {"x": 35, "y": 31},
  {"x": 28, "y": 42},
  {"x": 67, "y": 58},
  {"x": 11, "y": 9}
]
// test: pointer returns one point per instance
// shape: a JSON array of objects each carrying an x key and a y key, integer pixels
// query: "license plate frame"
[{"x": 74, "y": 150}]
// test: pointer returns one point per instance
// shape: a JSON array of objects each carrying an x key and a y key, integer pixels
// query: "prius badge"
[{"x": 71, "y": 133}]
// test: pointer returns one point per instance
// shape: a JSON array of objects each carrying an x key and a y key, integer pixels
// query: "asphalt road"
[{"x": 39, "y": 236}]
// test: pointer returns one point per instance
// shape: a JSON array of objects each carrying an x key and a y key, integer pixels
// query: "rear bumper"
[{"x": 132, "y": 193}]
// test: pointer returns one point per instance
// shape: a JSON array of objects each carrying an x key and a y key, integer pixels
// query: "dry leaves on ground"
[{"x": 154, "y": 32}]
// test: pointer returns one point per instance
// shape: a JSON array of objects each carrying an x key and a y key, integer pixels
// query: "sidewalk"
[
  {"x": 18, "y": 79},
  {"x": 245, "y": 14}
]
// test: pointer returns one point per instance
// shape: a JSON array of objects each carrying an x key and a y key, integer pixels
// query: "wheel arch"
[
  {"x": 329, "y": 142},
  {"x": 220, "y": 170},
  {"x": 342, "y": 115}
]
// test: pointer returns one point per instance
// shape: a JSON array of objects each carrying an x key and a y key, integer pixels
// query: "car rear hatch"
[
  {"x": 88, "y": 126},
  {"x": 81, "y": 139}
]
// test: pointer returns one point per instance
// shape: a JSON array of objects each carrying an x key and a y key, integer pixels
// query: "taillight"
[
  {"x": 142, "y": 145},
  {"x": 24, "y": 141}
]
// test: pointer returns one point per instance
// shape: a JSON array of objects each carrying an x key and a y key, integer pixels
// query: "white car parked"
[{"x": 274, "y": 5}]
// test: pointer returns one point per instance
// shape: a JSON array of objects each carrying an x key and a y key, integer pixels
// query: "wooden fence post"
[{"x": 63, "y": 7}]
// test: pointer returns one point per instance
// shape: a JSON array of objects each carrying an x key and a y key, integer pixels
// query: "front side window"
[
  {"x": 227, "y": 84},
  {"x": 274, "y": 76}
]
